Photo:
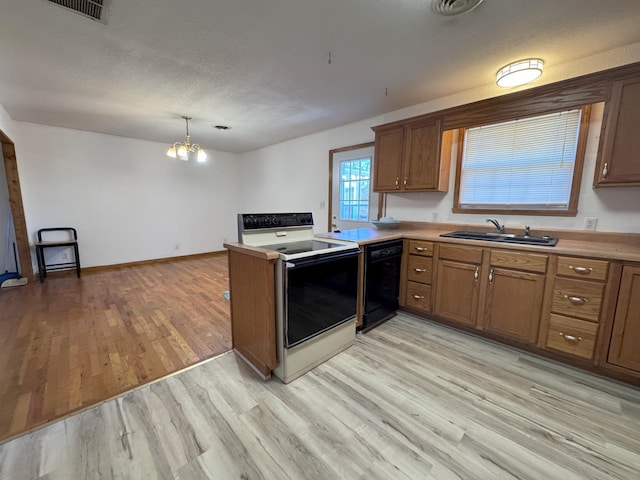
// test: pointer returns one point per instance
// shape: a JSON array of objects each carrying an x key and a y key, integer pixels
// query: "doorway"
[
  {"x": 15, "y": 202},
  {"x": 352, "y": 202}
]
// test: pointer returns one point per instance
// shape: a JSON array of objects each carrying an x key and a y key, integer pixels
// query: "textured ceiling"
[{"x": 262, "y": 67}]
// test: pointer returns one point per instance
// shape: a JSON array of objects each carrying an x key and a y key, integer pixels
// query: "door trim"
[
  {"x": 381, "y": 196},
  {"x": 17, "y": 208}
]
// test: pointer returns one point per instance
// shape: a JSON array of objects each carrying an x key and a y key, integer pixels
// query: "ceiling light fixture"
[
  {"x": 185, "y": 151},
  {"x": 519, "y": 73},
  {"x": 450, "y": 8}
]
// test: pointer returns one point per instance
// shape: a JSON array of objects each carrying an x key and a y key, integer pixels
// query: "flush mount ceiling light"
[
  {"x": 519, "y": 73},
  {"x": 185, "y": 151},
  {"x": 450, "y": 8}
]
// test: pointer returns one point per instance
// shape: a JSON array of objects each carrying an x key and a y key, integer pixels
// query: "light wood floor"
[
  {"x": 411, "y": 400},
  {"x": 69, "y": 343}
]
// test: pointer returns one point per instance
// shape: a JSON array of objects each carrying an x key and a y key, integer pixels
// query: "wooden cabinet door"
[
  {"x": 387, "y": 165},
  {"x": 457, "y": 291},
  {"x": 422, "y": 156},
  {"x": 624, "y": 350},
  {"x": 513, "y": 304},
  {"x": 619, "y": 159}
]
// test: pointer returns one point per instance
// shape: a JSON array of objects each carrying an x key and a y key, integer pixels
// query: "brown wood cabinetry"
[
  {"x": 619, "y": 150},
  {"x": 574, "y": 320},
  {"x": 624, "y": 350},
  {"x": 412, "y": 157},
  {"x": 458, "y": 283},
  {"x": 253, "y": 325},
  {"x": 515, "y": 287},
  {"x": 418, "y": 278}
]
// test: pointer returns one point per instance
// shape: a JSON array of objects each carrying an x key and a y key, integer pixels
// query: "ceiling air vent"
[
  {"x": 454, "y": 7},
  {"x": 94, "y": 9}
]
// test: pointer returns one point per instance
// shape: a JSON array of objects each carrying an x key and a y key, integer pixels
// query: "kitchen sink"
[{"x": 503, "y": 238}]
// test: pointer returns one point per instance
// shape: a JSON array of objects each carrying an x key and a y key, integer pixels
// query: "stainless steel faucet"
[{"x": 497, "y": 224}]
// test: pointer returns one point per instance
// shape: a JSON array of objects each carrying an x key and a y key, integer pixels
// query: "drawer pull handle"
[
  {"x": 491, "y": 276},
  {"x": 476, "y": 274},
  {"x": 571, "y": 338},
  {"x": 418, "y": 297},
  {"x": 397, "y": 183},
  {"x": 420, "y": 270},
  {"x": 605, "y": 170},
  {"x": 420, "y": 249},
  {"x": 585, "y": 270},
  {"x": 576, "y": 300},
  {"x": 405, "y": 181}
]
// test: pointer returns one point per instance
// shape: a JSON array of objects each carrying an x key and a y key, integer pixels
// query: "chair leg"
[
  {"x": 77, "y": 254},
  {"x": 40, "y": 258}
]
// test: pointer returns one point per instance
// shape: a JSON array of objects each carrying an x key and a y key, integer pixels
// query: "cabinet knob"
[
  {"x": 576, "y": 300},
  {"x": 571, "y": 338},
  {"x": 405, "y": 181},
  {"x": 397, "y": 182},
  {"x": 585, "y": 270},
  {"x": 605, "y": 170}
]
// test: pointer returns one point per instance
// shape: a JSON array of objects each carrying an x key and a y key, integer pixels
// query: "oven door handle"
[{"x": 321, "y": 258}]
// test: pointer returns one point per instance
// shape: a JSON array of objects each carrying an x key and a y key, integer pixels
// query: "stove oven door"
[{"x": 320, "y": 293}]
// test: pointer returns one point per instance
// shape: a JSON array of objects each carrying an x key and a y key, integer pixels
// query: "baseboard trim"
[{"x": 101, "y": 268}]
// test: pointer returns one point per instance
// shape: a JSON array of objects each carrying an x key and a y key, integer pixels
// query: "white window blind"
[{"x": 524, "y": 164}]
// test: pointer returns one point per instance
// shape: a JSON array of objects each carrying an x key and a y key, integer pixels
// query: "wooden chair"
[{"x": 41, "y": 244}]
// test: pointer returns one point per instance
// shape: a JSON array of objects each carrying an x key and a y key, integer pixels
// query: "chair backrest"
[{"x": 69, "y": 231}]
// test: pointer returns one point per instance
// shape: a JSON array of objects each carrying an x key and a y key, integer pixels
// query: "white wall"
[
  {"x": 127, "y": 199},
  {"x": 293, "y": 176}
]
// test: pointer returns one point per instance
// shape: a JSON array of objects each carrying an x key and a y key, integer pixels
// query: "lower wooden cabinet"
[
  {"x": 624, "y": 350},
  {"x": 573, "y": 336},
  {"x": 555, "y": 304},
  {"x": 513, "y": 304},
  {"x": 458, "y": 284}
]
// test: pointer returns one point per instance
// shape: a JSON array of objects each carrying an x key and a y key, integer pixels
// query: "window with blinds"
[{"x": 526, "y": 164}]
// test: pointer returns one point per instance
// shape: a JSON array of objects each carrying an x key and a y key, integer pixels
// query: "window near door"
[
  {"x": 355, "y": 178},
  {"x": 529, "y": 165}
]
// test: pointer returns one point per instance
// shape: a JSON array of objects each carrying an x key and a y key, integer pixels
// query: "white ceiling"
[{"x": 261, "y": 66}]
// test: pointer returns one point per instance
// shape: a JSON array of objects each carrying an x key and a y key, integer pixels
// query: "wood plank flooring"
[
  {"x": 69, "y": 343},
  {"x": 411, "y": 400}
]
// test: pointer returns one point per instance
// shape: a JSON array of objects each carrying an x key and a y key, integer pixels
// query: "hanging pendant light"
[{"x": 186, "y": 150}]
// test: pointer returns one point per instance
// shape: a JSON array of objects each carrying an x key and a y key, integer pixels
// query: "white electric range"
[{"x": 316, "y": 289}]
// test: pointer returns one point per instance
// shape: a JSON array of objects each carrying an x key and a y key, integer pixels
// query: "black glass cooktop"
[{"x": 301, "y": 247}]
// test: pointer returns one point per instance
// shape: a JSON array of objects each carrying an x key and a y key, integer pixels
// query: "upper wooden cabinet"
[
  {"x": 619, "y": 150},
  {"x": 412, "y": 157}
]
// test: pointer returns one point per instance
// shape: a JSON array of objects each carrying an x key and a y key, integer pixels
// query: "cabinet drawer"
[
  {"x": 577, "y": 298},
  {"x": 418, "y": 296},
  {"x": 419, "y": 269},
  {"x": 585, "y": 268},
  {"x": 461, "y": 253},
  {"x": 569, "y": 335},
  {"x": 519, "y": 260},
  {"x": 418, "y": 247}
]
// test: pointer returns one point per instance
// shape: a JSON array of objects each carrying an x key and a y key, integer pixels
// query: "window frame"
[
  {"x": 358, "y": 181},
  {"x": 572, "y": 207}
]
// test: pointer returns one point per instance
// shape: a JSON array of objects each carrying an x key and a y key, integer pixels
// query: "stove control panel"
[{"x": 258, "y": 221}]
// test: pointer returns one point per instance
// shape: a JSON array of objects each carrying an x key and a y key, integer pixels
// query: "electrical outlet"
[
  {"x": 434, "y": 217},
  {"x": 323, "y": 205},
  {"x": 590, "y": 223}
]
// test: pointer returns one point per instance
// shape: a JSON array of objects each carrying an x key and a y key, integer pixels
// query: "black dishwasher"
[{"x": 381, "y": 281}]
